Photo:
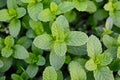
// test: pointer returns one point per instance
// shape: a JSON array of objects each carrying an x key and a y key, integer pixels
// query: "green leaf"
[
  {"x": 43, "y": 41},
  {"x": 118, "y": 52},
  {"x": 28, "y": 1},
  {"x": 37, "y": 26},
  {"x": 16, "y": 77},
  {"x": 65, "y": 6},
  {"x": 53, "y": 7},
  {"x": 6, "y": 52},
  {"x": 46, "y": 15},
  {"x": 117, "y": 5},
  {"x": 20, "y": 12},
  {"x": 4, "y": 15},
  {"x": 59, "y": 75},
  {"x": 2, "y": 78},
  {"x": 91, "y": 65},
  {"x": 76, "y": 38},
  {"x": 11, "y": 4},
  {"x": 60, "y": 48},
  {"x": 25, "y": 42},
  {"x": 9, "y": 41},
  {"x": 32, "y": 70},
  {"x": 41, "y": 60},
  {"x": 94, "y": 46},
  {"x": 2, "y": 3},
  {"x": 20, "y": 52},
  {"x": 14, "y": 27},
  {"x": 49, "y": 74},
  {"x": 109, "y": 23},
  {"x": 1, "y": 63},
  {"x": 109, "y": 41},
  {"x": 91, "y": 7},
  {"x": 105, "y": 58},
  {"x": 80, "y": 5},
  {"x": 103, "y": 73},
  {"x": 76, "y": 71},
  {"x": 56, "y": 61},
  {"x": 34, "y": 9}
]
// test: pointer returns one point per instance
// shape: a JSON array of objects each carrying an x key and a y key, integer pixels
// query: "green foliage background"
[{"x": 59, "y": 40}]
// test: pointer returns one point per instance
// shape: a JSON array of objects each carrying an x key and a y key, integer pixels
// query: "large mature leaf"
[
  {"x": 32, "y": 70},
  {"x": 91, "y": 65},
  {"x": 14, "y": 27},
  {"x": 46, "y": 15},
  {"x": 103, "y": 73},
  {"x": 43, "y": 41},
  {"x": 76, "y": 71},
  {"x": 34, "y": 9},
  {"x": 20, "y": 12},
  {"x": 11, "y": 4},
  {"x": 91, "y": 7},
  {"x": 65, "y": 6},
  {"x": 94, "y": 46},
  {"x": 56, "y": 61},
  {"x": 20, "y": 52},
  {"x": 4, "y": 15},
  {"x": 49, "y": 74},
  {"x": 60, "y": 48},
  {"x": 76, "y": 38}
]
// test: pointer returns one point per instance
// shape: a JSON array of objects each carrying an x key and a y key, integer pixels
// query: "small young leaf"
[
  {"x": 32, "y": 70},
  {"x": 34, "y": 9},
  {"x": 45, "y": 15},
  {"x": 20, "y": 12},
  {"x": 91, "y": 65},
  {"x": 65, "y": 6},
  {"x": 103, "y": 73},
  {"x": 59, "y": 75},
  {"x": 56, "y": 61},
  {"x": 43, "y": 41},
  {"x": 60, "y": 48},
  {"x": 94, "y": 46},
  {"x": 6, "y": 52},
  {"x": 9, "y": 41},
  {"x": 49, "y": 74},
  {"x": 4, "y": 15},
  {"x": 14, "y": 27},
  {"x": 76, "y": 71},
  {"x": 37, "y": 26},
  {"x": 91, "y": 7},
  {"x": 76, "y": 38},
  {"x": 20, "y": 52},
  {"x": 41, "y": 60},
  {"x": 16, "y": 77},
  {"x": 53, "y": 7},
  {"x": 28, "y": 1},
  {"x": 109, "y": 23}
]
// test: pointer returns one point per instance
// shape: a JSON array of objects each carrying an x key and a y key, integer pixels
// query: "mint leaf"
[
  {"x": 49, "y": 74},
  {"x": 43, "y": 41},
  {"x": 76, "y": 38},
  {"x": 4, "y": 15},
  {"x": 34, "y": 9},
  {"x": 9, "y": 41},
  {"x": 60, "y": 48},
  {"x": 20, "y": 12},
  {"x": 76, "y": 71},
  {"x": 53, "y": 7},
  {"x": 1, "y": 63},
  {"x": 80, "y": 5},
  {"x": 91, "y": 65},
  {"x": 94, "y": 46},
  {"x": 6, "y": 52},
  {"x": 56, "y": 61},
  {"x": 28, "y": 1},
  {"x": 16, "y": 77},
  {"x": 37, "y": 26},
  {"x": 103, "y": 73},
  {"x": 32, "y": 70},
  {"x": 41, "y": 60},
  {"x": 11, "y": 4},
  {"x": 109, "y": 41},
  {"x": 65, "y": 6},
  {"x": 46, "y": 15},
  {"x": 91, "y": 7},
  {"x": 20, "y": 52},
  {"x": 14, "y": 27}
]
